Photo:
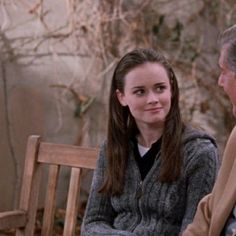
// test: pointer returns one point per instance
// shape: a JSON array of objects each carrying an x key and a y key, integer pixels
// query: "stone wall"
[{"x": 57, "y": 57}]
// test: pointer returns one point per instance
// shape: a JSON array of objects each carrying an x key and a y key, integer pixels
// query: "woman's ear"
[{"x": 121, "y": 97}]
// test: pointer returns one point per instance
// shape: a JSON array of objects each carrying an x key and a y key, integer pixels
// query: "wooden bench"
[{"x": 39, "y": 154}]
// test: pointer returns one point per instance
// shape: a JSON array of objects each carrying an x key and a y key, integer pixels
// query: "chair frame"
[{"x": 38, "y": 154}]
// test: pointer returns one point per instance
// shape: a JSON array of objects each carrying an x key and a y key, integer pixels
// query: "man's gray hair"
[
  {"x": 228, "y": 36},
  {"x": 228, "y": 41}
]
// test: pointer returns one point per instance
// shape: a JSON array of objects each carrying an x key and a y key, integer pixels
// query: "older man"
[{"x": 216, "y": 213}]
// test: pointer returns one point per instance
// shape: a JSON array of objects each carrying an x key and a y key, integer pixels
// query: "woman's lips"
[{"x": 155, "y": 109}]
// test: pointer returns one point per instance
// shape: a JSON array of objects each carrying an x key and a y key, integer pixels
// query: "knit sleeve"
[
  {"x": 99, "y": 214},
  {"x": 201, "y": 169}
]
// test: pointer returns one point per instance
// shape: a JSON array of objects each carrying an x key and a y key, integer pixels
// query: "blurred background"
[{"x": 57, "y": 59}]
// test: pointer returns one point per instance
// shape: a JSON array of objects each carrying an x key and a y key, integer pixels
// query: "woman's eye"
[
  {"x": 139, "y": 92},
  {"x": 160, "y": 88}
]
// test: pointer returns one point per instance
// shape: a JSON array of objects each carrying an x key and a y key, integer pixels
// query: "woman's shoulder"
[
  {"x": 102, "y": 154},
  {"x": 197, "y": 136},
  {"x": 200, "y": 148}
]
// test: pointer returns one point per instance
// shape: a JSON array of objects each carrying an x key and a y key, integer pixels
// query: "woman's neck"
[{"x": 147, "y": 137}]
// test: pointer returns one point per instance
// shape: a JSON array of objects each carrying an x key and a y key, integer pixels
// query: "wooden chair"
[{"x": 38, "y": 154}]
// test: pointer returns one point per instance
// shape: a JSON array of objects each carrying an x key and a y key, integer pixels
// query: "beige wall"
[{"x": 33, "y": 108}]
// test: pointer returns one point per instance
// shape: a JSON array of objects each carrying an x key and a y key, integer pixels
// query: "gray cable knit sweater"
[{"x": 151, "y": 208}]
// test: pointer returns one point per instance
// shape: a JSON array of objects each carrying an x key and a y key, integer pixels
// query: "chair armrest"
[{"x": 12, "y": 219}]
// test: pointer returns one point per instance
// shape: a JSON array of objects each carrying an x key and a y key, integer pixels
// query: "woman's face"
[
  {"x": 147, "y": 93},
  {"x": 227, "y": 80}
]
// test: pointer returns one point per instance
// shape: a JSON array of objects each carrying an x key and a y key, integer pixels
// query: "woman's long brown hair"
[{"x": 122, "y": 126}]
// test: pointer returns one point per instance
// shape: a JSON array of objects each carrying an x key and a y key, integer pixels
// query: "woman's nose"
[{"x": 152, "y": 97}]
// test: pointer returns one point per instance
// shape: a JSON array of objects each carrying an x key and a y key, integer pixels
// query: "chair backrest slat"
[
  {"x": 50, "y": 200},
  {"x": 29, "y": 169},
  {"x": 72, "y": 202},
  {"x": 30, "y": 186}
]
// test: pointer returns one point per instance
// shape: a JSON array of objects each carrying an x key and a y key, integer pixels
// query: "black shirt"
[{"x": 145, "y": 162}]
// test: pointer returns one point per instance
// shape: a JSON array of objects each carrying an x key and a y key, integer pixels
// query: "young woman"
[{"x": 152, "y": 170}]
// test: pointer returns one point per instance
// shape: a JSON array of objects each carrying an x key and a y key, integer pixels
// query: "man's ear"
[{"x": 121, "y": 97}]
